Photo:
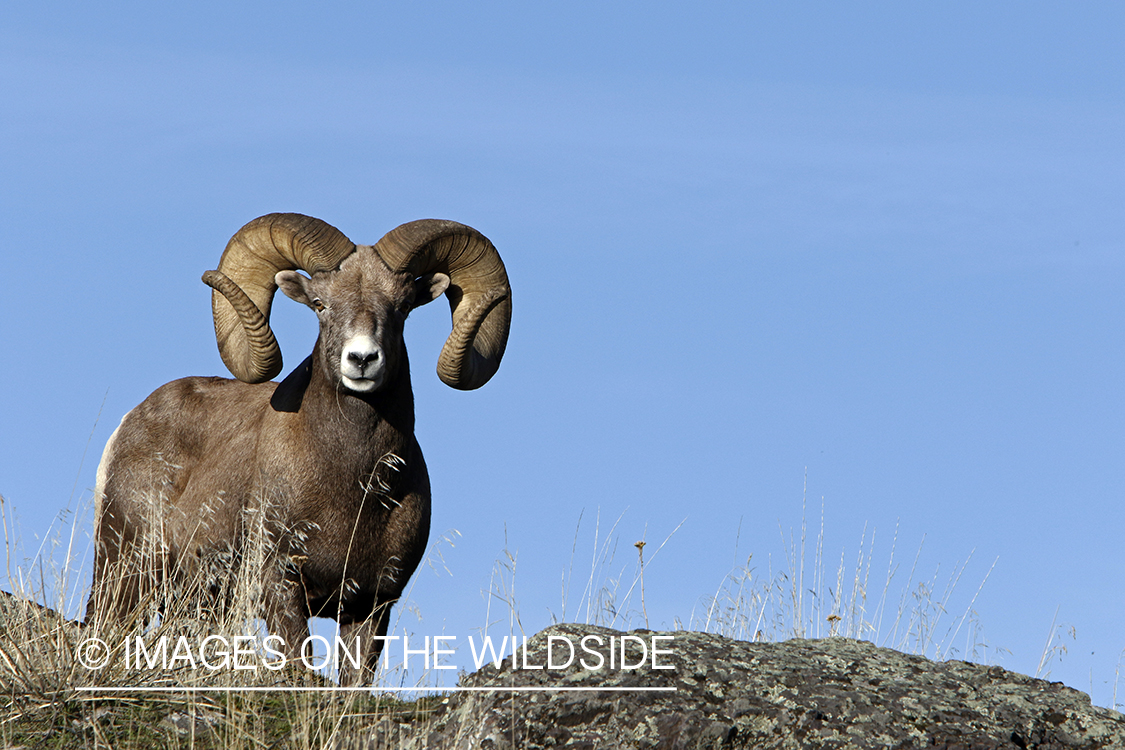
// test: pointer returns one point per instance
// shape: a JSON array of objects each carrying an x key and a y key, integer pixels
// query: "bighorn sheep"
[{"x": 327, "y": 457}]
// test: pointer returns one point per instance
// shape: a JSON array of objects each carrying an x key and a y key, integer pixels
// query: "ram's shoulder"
[{"x": 205, "y": 393}]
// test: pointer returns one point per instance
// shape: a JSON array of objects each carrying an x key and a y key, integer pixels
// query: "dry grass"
[
  {"x": 805, "y": 599},
  {"x": 46, "y": 702},
  {"x": 49, "y": 699}
]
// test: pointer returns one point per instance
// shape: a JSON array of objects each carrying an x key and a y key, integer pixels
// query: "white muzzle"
[{"x": 362, "y": 364}]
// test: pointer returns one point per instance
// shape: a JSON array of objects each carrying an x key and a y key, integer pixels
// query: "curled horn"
[
  {"x": 480, "y": 299},
  {"x": 244, "y": 285}
]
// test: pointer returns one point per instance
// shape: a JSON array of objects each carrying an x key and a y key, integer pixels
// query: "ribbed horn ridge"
[
  {"x": 244, "y": 285},
  {"x": 480, "y": 298}
]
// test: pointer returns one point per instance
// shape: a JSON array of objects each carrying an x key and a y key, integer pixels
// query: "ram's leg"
[
  {"x": 125, "y": 579},
  {"x": 114, "y": 593},
  {"x": 368, "y": 639},
  {"x": 287, "y": 616}
]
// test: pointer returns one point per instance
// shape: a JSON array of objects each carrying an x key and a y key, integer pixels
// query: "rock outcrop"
[
  {"x": 830, "y": 693},
  {"x": 677, "y": 690}
]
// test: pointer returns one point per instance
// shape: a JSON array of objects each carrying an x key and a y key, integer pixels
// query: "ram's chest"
[
  {"x": 336, "y": 520},
  {"x": 358, "y": 554},
  {"x": 344, "y": 497}
]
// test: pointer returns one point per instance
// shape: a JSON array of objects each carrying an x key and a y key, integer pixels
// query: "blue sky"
[{"x": 875, "y": 246}]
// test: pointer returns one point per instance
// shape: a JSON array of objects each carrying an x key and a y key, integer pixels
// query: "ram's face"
[{"x": 362, "y": 307}]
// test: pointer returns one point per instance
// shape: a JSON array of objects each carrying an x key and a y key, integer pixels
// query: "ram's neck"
[{"x": 343, "y": 421}]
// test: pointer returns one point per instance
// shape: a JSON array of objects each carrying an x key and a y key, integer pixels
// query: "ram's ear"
[
  {"x": 292, "y": 284},
  {"x": 429, "y": 287}
]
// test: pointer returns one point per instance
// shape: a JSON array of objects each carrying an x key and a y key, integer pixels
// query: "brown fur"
[{"x": 337, "y": 475}]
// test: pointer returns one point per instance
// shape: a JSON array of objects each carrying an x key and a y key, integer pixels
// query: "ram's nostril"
[{"x": 363, "y": 358}]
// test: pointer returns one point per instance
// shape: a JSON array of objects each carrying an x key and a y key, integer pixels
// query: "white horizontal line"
[{"x": 501, "y": 689}]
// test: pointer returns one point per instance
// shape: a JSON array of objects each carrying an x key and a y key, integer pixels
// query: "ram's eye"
[{"x": 317, "y": 304}]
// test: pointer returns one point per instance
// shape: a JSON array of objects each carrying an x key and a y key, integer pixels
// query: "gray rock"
[{"x": 830, "y": 693}]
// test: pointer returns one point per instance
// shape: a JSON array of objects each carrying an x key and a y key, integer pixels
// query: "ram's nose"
[
  {"x": 362, "y": 364},
  {"x": 362, "y": 359}
]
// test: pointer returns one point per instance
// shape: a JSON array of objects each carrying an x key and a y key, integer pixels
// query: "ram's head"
[{"x": 362, "y": 295}]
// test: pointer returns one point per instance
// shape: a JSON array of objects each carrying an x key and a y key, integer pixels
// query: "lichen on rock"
[{"x": 721, "y": 693}]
